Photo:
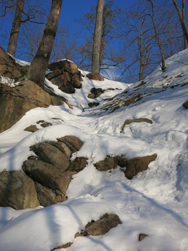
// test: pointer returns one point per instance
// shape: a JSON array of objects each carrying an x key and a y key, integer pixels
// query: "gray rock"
[
  {"x": 51, "y": 154},
  {"x": 62, "y": 147},
  {"x": 17, "y": 190},
  {"x": 47, "y": 196},
  {"x": 47, "y": 175},
  {"x": 73, "y": 143}
]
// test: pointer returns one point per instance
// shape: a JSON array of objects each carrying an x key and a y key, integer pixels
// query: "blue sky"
[{"x": 75, "y": 9}]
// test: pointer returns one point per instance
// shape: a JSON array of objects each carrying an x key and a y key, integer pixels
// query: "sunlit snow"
[{"x": 154, "y": 202}]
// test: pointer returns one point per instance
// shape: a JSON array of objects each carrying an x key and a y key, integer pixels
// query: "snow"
[{"x": 154, "y": 202}]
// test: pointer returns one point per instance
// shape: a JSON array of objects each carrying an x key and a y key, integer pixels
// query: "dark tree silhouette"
[{"x": 40, "y": 62}]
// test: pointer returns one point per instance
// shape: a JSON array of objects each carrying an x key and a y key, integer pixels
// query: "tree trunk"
[
  {"x": 183, "y": 15},
  {"x": 182, "y": 21},
  {"x": 142, "y": 59},
  {"x": 15, "y": 28},
  {"x": 39, "y": 64},
  {"x": 163, "y": 67},
  {"x": 97, "y": 37},
  {"x": 101, "y": 51}
]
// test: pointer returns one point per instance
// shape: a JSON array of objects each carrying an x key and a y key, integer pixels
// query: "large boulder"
[
  {"x": 47, "y": 196},
  {"x": 48, "y": 175},
  {"x": 16, "y": 101},
  {"x": 44, "y": 178},
  {"x": 65, "y": 75},
  {"x": 17, "y": 190},
  {"x": 8, "y": 67},
  {"x": 50, "y": 153}
]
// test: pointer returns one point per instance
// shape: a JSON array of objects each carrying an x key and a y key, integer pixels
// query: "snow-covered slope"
[{"x": 155, "y": 202}]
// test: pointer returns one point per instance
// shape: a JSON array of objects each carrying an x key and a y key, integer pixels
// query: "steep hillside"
[{"x": 126, "y": 121}]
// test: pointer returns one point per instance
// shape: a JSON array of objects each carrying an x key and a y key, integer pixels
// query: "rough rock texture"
[
  {"x": 95, "y": 76},
  {"x": 138, "y": 120},
  {"x": 103, "y": 225},
  {"x": 95, "y": 92},
  {"x": 47, "y": 196},
  {"x": 72, "y": 142},
  {"x": 78, "y": 164},
  {"x": 133, "y": 166},
  {"x": 50, "y": 153},
  {"x": 16, "y": 101},
  {"x": 138, "y": 164},
  {"x": 106, "y": 164},
  {"x": 185, "y": 104},
  {"x": 17, "y": 190},
  {"x": 65, "y": 75},
  {"x": 8, "y": 67},
  {"x": 47, "y": 175}
]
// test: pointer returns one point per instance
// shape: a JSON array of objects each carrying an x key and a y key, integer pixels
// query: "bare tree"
[
  {"x": 97, "y": 37},
  {"x": 6, "y": 6},
  {"x": 22, "y": 12},
  {"x": 139, "y": 47},
  {"x": 40, "y": 62},
  {"x": 109, "y": 56},
  {"x": 181, "y": 14},
  {"x": 15, "y": 27},
  {"x": 157, "y": 36}
]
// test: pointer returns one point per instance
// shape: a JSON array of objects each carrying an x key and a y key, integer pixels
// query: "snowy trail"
[{"x": 154, "y": 202}]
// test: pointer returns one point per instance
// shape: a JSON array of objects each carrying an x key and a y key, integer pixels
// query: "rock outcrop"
[
  {"x": 52, "y": 169},
  {"x": 8, "y": 67},
  {"x": 133, "y": 166},
  {"x": 48, "y": 174},
  {"x": 54, "y": 153},
  {"x": 17, "y": 190},
  {"x": 16, "y": 101},
  {"x": 65, "y": 75},
  {"x": 45, "y": 177}
]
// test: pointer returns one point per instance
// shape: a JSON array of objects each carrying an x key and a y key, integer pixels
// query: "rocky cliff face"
[{"x": 17, "y": 99}]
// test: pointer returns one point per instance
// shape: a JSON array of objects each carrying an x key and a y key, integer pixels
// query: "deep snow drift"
[{"x": 154, "y": 202}]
